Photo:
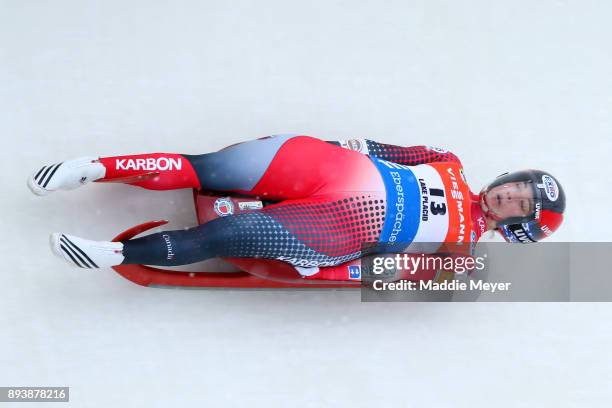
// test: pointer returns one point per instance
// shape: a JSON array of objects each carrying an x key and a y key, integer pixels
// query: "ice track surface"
[{"x": 504, "y": 86}]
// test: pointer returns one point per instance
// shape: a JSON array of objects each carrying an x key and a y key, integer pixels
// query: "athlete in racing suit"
[{"x": 332, "y": 202}]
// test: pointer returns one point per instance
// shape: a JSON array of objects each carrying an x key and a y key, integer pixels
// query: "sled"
[{"x": 252, "y": 274}]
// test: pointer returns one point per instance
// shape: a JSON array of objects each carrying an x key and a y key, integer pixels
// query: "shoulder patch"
[
  {"x": 358, "y": 145},
  {"x": 437, "y": 149}
]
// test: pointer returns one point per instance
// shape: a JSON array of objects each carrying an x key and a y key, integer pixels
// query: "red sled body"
[{"x": 254, "y": 273}]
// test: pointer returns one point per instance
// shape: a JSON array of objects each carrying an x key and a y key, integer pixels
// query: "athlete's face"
[{"x": 510, "y": 200}]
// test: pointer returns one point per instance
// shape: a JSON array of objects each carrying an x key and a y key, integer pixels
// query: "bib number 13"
[{"x": 437, "y": 208}]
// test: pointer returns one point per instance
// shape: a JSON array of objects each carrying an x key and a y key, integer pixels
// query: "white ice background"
[{"x": 503, "y": 84}]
